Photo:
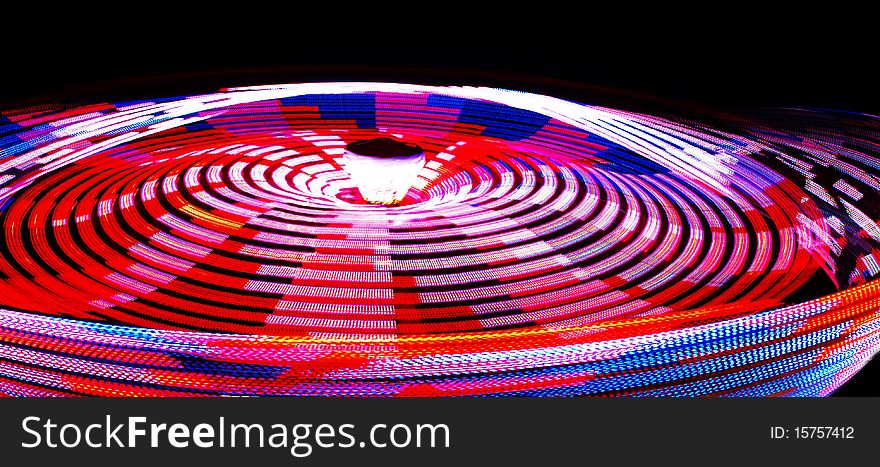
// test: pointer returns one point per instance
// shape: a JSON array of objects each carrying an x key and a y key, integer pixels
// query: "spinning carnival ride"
[{"x": 222, "y": 245}]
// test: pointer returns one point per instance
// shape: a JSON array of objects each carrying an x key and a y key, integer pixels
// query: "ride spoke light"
[{"x": 383, "y": 169}]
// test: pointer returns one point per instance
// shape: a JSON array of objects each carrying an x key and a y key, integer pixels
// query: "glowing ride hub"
[{"x": 383, "y": 169}]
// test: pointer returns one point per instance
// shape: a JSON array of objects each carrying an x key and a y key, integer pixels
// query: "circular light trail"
[{"x": 221, "y": 245}]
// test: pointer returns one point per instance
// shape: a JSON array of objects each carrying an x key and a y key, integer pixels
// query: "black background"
[
  {"x": 766, "y": 70},
  {"x": 680, "y": 73}
]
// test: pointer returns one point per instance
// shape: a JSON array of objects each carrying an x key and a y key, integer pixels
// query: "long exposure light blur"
[{"x": 229, "y": 244}]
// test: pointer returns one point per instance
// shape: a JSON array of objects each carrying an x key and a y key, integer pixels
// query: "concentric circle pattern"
[{"x": 216, "y": 245}]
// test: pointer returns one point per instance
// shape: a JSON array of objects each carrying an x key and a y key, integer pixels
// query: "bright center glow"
[{"x": 383, "y": 178}]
